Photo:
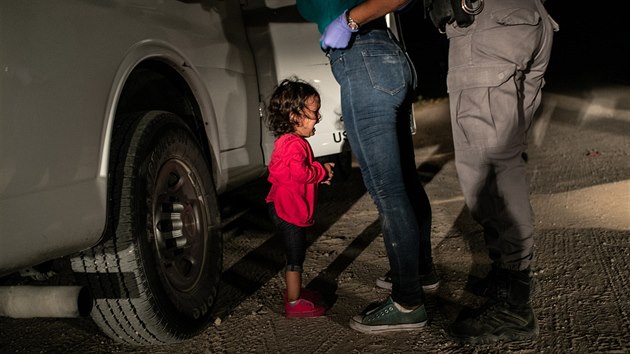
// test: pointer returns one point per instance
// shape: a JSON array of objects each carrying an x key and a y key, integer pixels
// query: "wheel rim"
[{"x": 180, "y": 224}]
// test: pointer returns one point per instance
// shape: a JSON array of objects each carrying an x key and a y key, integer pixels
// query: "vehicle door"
[{"x": 285, "y": 45}]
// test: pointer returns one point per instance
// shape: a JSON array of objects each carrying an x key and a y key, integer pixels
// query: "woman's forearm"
[{"x": 373, "y": 9}]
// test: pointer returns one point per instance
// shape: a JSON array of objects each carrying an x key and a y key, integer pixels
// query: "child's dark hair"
[{"x": 289, "y": 97}]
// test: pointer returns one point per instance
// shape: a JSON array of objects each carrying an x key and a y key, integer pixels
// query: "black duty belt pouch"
[{"x": 443, "y": 12}]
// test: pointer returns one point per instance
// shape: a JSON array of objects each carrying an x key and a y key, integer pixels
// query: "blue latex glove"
[{"x": 337, "y": 34}]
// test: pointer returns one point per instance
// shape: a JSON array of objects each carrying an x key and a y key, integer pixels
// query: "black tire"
[{"x": 155, "y": 275}]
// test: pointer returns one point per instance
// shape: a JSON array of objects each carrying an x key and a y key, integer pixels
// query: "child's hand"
[{"x": 329, "y": 169}]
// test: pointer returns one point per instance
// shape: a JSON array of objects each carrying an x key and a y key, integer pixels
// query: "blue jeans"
[{"x": 376, "y": 80}]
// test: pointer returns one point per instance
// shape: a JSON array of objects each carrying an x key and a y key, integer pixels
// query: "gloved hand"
[{"x": 337, "y": 34}]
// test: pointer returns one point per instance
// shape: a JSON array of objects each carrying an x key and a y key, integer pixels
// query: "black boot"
[
  {"x": 489, "y": 286},
  {"x": 492, "y": 284},
  {"x": 506, "y": 316}
]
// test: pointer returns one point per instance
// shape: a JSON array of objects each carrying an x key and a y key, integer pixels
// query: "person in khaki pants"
[{"x": 496, "y": 69}]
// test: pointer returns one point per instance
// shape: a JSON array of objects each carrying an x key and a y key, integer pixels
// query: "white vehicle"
[{"x": 121, "y": 121}]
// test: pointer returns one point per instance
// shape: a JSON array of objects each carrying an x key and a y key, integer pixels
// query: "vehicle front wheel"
[{"x": 155, "y": 275}]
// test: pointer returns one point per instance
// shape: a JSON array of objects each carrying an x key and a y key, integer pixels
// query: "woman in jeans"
[{"x": 376, "y": 80}]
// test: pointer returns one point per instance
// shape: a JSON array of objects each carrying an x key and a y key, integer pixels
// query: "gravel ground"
[{"x": 580, "y": 173}]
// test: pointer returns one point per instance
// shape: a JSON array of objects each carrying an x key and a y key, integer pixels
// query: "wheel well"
[{"x": 155, "y": 85}]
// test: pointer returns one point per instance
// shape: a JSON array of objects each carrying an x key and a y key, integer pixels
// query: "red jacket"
[{"x": 294, "y": 177}]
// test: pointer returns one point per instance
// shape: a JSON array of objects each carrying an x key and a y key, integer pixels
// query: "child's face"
[{"x": 309, "y": 117}]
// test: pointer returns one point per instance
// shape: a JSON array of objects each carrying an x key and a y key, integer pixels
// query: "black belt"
[{"x": 379, "y": 23}]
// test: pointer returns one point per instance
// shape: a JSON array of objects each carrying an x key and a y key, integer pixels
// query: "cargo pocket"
[
  {"x": 485, "y": 101},
  {"x": 385, "y": 68},
  {"x": 464, "y": 77}
]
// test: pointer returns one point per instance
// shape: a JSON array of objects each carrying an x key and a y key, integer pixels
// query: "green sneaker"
[
  {"x": 388, "y": 318},
  {"x": 430, "y": 282},
  {"x": 495, "y": 321}
]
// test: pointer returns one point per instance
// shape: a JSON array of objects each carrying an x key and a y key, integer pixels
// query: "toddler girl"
[{"x": 294, "y": 177}]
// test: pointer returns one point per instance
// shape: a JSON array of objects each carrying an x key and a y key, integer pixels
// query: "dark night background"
[{"x": 592, "y": 47}]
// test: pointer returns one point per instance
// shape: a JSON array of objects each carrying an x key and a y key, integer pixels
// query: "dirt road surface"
[{"x": 580, "y": 174}]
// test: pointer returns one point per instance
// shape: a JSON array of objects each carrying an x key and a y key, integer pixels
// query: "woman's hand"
[{"x": 337, "y": 34}]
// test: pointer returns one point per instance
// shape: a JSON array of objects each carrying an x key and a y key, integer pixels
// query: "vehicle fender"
[{"x": 163, "y": 51}]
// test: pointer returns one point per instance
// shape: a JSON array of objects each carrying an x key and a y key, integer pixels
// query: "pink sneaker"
[
  {"x": 302, "y": 308},
  {"x": 308, "y": 294}
]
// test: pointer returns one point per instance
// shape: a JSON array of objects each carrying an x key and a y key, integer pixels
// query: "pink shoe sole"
[{"x": 302, "y": 309}]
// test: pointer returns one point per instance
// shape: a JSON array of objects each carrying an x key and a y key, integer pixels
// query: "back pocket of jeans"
[{"x": 385, "y": 68}]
